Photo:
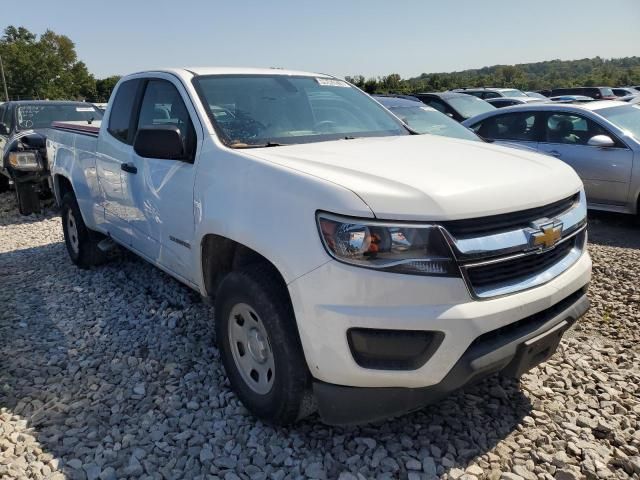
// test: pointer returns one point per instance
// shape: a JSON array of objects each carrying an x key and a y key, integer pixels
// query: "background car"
[
  {"x": 536, "y": 95},
  {"x": 629, "y": 98},
  {"x": 491, "y": 92},
  {"x": 571, "y": 99},
  {"x": 23, "y": 126},
  {"x": 424, "y": 119},
  {"x": 598, "y": 139},
  {"x": 597, "y": 93},
  {"x": 501, "y": 102},
  {"x": 458, "y": 106}
]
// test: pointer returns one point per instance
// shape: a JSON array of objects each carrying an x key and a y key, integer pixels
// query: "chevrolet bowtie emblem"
[{"x": 548, "y": 235}]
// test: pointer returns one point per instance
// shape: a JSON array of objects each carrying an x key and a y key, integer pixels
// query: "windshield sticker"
[
  {"x": 84, "y": 109},
  {"x": 331, "y": 82},
  {"x": 428, "y": 109}
]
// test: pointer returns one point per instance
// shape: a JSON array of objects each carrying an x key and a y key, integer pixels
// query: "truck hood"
[{"x": 428, "y": 177}]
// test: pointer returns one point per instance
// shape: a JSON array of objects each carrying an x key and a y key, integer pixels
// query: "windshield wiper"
[{"x": 257, "y": 145}]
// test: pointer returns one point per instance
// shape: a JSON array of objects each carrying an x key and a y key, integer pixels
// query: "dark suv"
[
  {"x": 597, "y": 93},
  {"x": 23, "y": 156}
]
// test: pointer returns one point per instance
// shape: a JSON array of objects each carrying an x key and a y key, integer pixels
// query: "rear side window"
[
  {"x": 120, "y": 119},
  {"x": 512, "y": 126},
  {"x": 491, "y": 95}
]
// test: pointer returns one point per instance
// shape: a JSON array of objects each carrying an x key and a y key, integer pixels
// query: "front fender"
[{"x": 269, "y": 208}]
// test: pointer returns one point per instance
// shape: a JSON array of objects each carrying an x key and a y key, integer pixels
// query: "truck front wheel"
[
  {"x": 27, "y": 198},
  {"x": 259, "y": 345},
  {"x": 82, "y": 243}
]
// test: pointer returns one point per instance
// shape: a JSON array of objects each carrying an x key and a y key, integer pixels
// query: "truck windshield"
[
  {"x": 41, "y": 115},
  {"x": 269, "y": 110}
]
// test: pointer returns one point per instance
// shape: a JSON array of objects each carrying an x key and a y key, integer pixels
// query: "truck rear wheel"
[
  {"x": 27, "y": 198},
  {"x": 81, "y": 242},
  {"x": 259, "y": 345}
]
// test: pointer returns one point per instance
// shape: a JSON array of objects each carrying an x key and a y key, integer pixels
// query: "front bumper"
[
  {"x": 335, "y": 297},
  {"x": 512, "y": 351}
]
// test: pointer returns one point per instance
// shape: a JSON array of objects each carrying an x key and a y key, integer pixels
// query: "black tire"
[
  {"x": 82, "y": 243},
  {"x": 27, "y": 198},
  {"x": 260, "y": 288},
  {"x": 4, "y": 183}
]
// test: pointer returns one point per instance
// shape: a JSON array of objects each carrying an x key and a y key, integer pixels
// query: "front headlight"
[
  {"x": 25, "y": 161},
  {"x": 391, "y": 247}
]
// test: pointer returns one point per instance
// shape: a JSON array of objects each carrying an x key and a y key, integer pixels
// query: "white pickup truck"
[{"x": 356, "y": 268}]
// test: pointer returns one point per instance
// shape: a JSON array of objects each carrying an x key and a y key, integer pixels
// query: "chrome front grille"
[{"x": 501, "y": 260}]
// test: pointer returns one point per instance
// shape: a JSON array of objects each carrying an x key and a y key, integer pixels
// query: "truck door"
[
  {"x": 158, "y": 192},
  {"x": 114, "y": 150}
]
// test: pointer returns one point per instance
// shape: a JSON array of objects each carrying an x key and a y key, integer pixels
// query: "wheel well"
[
  {"x": 63, "y": 187},
  {"x": 221, "y": 255}
]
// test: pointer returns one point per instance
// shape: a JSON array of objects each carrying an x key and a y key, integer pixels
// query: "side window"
[
  {"x": 511, "y": 126},
  {"x": 163, "y": 105},
  {"x": 121, "y": 112},
  {"x": 571, "y": 129},
  {"x": 490, "y": 95}
]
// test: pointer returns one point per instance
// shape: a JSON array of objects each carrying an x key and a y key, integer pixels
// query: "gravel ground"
[{"x": 113, "y": 373}]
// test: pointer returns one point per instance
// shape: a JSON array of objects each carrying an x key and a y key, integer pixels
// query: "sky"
[{"x": 371, "y": 38}]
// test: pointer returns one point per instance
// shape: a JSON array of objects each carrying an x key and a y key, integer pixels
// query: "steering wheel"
[
  {"x": 324, "y": 125},
  {"x": 246, "y": 127}
]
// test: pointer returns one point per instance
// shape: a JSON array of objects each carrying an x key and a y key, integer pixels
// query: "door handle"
[
  {"x": 129, "y": 168},
  {"x": 555, "y": 153}
]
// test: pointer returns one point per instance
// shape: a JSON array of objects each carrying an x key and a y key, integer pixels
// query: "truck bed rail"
[{"x": 82, "y": 128}]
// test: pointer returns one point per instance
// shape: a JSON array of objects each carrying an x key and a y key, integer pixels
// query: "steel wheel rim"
[
  {"x": 72, "y": 231},
  {"x": 251, "y": 348}
]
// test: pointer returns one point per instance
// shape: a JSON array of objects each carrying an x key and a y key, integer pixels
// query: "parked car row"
[{"x": 599, "y": 138}]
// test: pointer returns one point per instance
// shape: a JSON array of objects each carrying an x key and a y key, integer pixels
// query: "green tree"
[
  {"x": 45, "y": 68},
  {"x": 104, "y": 87},
  {"x": 526, "y": 76}
]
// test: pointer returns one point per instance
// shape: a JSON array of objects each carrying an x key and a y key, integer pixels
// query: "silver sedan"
[{"x": 600, "y": 140}]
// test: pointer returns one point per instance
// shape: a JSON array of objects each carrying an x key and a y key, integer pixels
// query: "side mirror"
[
  {"x": 3, "y": 129},
  {"x": 601, "y": 141},
  {"x": 160, "y": 141}
]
